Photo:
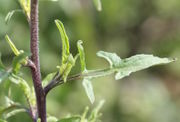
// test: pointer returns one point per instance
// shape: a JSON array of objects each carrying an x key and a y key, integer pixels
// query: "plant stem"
[
  {"x": 57, "y": 80},
  {"x": 36, "y": 74}
]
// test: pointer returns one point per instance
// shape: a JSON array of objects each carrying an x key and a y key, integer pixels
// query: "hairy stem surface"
[{"x": 36, "y": 74}]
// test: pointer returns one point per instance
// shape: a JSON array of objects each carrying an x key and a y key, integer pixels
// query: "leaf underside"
[{"x": 124, "y": 67}]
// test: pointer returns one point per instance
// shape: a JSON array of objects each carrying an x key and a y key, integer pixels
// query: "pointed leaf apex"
[{"x": 11, "y": 44}]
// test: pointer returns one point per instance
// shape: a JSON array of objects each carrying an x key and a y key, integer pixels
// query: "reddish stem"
[{"x": 36, "y": 74}]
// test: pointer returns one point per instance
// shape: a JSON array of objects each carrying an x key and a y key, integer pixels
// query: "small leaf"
[
  {"x": 18, "y": 61},
  {"x": 29, "y": 94},
  {"x": 65, "y": 41},
  {"x": 98, "y": 4},
  {"x": 48, "y": 78},
  {"x": 124, "y": 67},
  {"x": 1, "y": 64},
  {"x": 82, "y": 55},
  {"x": 95, "y": 113},
  {"x": 68, "y": 60},
  {"x": 11, "y": 109},
  {"x": 22, "y": 84},
  {"x": 70, "y": 119},
  {"x": 25, "y": 5},
  {"x": 86, "y": 81},
  {"x": 10, "y": 14},
  {"x": 66, "y": 68},
  {"x": 89, "y": 89},
  {"x": 83, "y": 117},
  {"x": 14, "y": 112},
  {"x": 13, "y": 47}
]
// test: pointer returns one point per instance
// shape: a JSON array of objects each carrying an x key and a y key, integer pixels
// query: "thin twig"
[{"x": 30, "y": 64}]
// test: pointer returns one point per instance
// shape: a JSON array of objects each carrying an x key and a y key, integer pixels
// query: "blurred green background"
[{"x": 126, "y": 27}]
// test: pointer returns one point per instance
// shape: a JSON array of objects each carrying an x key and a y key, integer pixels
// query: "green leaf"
[
  {"x": 65, "y": 41},
  {"x": 10, "y": 14},
  {"x": 14, "y": 112},
  {"x": 113, "y": 59},
  {"x": 83, "y": 117},
  {"x": 52, "y": 119},
  {"x": 3, "y": 75},
  {"x": 124, "y": 67},
  {"x": 68, "y": 61},
  {"x": 82, "y": 55},
  {"x": 18, "y": 61},
  {"x": 95, "y": 113},
  {"x": 70, "y": 119},
  {"x": 25, "y": 5},
  {"x": 48, "y": 78},
  {"x": 23, "y": 85},
  {"x": 86, "y": 81},
  {"x": 11, "y": 44},
  {"x": 66, "y": 68},
  {"x": 98, "y": 4},
  {"x": 11, "y": 109},
  {"x": 89, "y": 89},
  {"x": 1, "y": 64}
]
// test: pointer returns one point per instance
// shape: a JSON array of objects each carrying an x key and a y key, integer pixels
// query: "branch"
[
  {"x": 30, "y": 64},
  {"x": 57, "y": 80}
]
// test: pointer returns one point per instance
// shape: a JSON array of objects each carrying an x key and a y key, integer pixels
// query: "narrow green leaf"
[
  {"x": 65, "y": 41},
  {"x": 66, "y": 68},
  {"x": 86, "y": 81},
  {"x": 124, "y": 67},
  {"x": 83, "y": 117},
  {"x": 95, "y": 113},
  {"x": 48, "y": 78},
  {"x": 89, "y": 89},
  {"x": 25, "y": 5},
  {"x": 10, "y": 14},
  {"x": 13, "y": 47},
  {"x": 82, "y": 55},
  {"x": 68, "y": 61},
  {"x": 18, "y": 61},
  {"x": 14, "y": 112},
  {"x": 70, "y": 119},
  {"x": 1, "y": 64},
  {"x": 98, "y": 4}
]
